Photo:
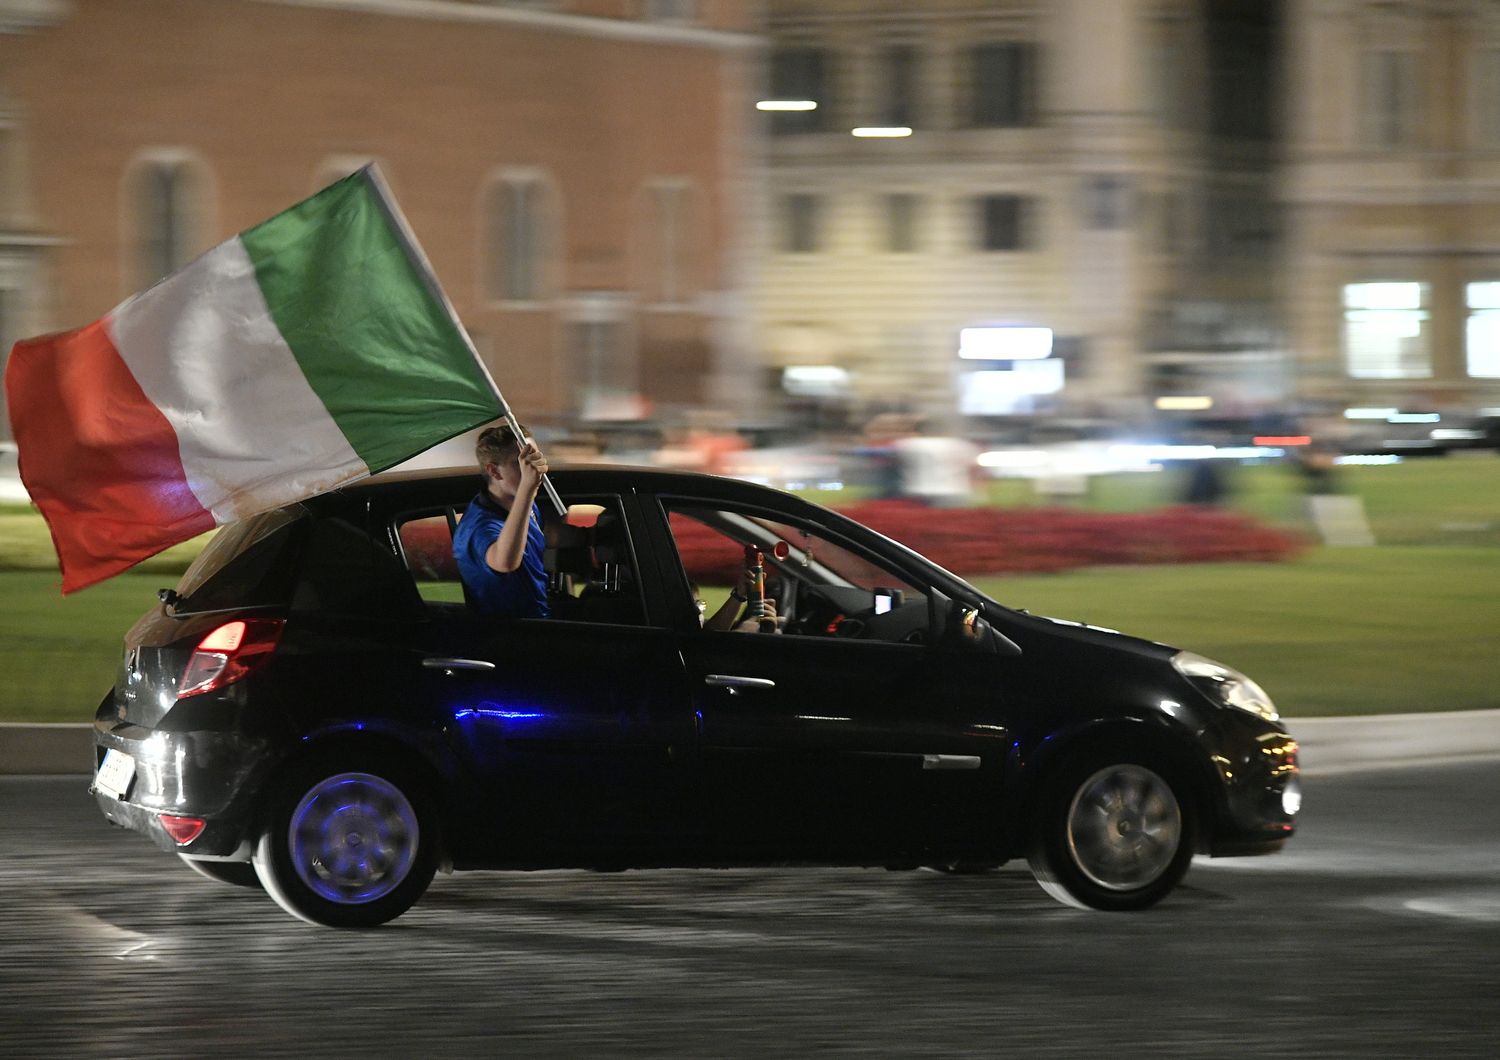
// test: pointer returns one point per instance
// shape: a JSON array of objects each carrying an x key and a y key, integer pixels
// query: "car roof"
[{"x": 417, "y": 488}]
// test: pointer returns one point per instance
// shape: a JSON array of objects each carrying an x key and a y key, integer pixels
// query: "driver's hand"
[{"x": 752, "y": 625}]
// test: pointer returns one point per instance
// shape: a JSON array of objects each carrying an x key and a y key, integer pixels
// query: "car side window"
[
  {"x": 820, "y": 587},
  {"x": 590, "y": 564},
  {"x": 427, "y": 546}
]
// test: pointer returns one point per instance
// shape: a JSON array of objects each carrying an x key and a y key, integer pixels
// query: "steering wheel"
[{"x": 783, "y": 590}]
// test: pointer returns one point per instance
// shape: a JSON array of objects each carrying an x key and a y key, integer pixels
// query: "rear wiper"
[{"x": 171, "y": 598}]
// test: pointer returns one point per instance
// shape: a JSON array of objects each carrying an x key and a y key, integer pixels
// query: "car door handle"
[
  {"x": 435, "y": 662},
  {"x": 730, "y": 681}
]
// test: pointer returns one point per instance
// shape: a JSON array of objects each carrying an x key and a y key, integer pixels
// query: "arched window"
[
  {"x": 166, "y": 196},
  {"x": 667, "y": 243},
  {"x": 518, "y": 238},
  {"x": 8, "y": 172}
]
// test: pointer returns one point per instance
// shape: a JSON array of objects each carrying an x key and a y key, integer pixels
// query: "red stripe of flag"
[{"x": 116, "y": 492}]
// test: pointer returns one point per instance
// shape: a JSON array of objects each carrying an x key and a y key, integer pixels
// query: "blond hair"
[{"x": 497, "y": 445}]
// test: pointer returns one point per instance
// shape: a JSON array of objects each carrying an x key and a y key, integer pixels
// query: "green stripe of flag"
[{"x": 385, "y": 358}]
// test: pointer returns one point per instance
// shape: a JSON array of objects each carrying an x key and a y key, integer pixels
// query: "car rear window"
[{"x": 245, "y": 565}]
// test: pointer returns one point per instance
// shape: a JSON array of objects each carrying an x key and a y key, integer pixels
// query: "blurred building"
[
  {"x": 1001, "y": 206},
  {"x": 1393, "y": 185},
  {"x": 571, "y": 166}
]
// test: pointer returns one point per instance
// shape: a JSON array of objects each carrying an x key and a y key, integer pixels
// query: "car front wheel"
[
  {"x": 352, "y": 846},
  {"x": 1112, "y": 834}
]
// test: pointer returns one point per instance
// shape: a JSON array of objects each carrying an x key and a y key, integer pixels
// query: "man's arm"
[{"x": 505, "y": 553}]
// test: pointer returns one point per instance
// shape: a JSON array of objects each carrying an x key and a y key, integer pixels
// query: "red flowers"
[{"x": 1035, "y": 540}]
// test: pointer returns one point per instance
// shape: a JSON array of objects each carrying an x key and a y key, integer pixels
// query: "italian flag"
[{"x": 306, "y": 352}]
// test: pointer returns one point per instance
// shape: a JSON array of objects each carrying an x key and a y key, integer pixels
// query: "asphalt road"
[{"x": 1376, "y": 933}]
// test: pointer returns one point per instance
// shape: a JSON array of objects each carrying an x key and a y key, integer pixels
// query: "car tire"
[
  {"x": 234, "y": 873},
  {"x": 1113, "y": 832},
  {"x": 347, "y": 844}
]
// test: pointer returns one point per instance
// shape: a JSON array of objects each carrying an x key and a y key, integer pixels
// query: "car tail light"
[
  {"x": 228, "y": 653},
  {"x": 183, "y": 830}
]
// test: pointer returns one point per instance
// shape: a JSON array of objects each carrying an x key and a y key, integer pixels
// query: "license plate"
[{"x": 115, "y": 774}]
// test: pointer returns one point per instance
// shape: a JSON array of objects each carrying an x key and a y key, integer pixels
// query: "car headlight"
[{"x": 1226, "y": 686}]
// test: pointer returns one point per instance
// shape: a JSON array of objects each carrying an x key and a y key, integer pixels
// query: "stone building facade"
[
  {"x": 1057, "y": 176},
  {"x": 1393, "y": 189},
  {"x": 571, "y": 166}
]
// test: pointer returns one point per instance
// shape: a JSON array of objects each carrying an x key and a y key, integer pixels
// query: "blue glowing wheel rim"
[{"x": 353, "y": 838}]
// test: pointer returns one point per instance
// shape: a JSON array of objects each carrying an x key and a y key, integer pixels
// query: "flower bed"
[{"x": 1035, "y": 540}]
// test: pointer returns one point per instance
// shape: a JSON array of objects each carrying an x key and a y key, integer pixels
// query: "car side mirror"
[{"x": 966, "y": 629}]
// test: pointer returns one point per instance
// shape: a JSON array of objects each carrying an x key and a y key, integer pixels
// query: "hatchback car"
[{"x": 315, "y": 709}]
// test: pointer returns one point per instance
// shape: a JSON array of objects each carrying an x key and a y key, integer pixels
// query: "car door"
[
  {"x": 573, "y": 729},
  {"x": 831, "y": 740}
]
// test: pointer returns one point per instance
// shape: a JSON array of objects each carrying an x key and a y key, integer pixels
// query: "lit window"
[
  {"x": 1483, "y": 333},
  {"x": 1389, "y": 107},
  {"x": 799, "y": 228},
  {"x": 1385, "y": 331},
  {"x": 900, "y": 223},
  {"x": 517, "y": 241},
  {"x": 1003, "y": 90}
]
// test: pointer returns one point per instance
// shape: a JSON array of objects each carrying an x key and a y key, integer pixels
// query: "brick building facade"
[{"x": 570, "y": 166}]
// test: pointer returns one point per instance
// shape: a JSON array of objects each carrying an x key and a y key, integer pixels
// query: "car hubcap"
[
  {"x": 353, "y": 838},
  {"x": 1124, "y": 827}
]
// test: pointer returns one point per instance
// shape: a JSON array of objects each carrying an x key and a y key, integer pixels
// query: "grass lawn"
[
  {"x": 1350, "y": 631},
  {"x": 1340, "y": 631},
  {"x": 1406, "y": 626}
]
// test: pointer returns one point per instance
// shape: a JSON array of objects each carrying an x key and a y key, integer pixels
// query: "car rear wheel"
[
  {"x": 234, "y": 873},
  {"x": 1112, "y": 833},
  {"x": 347, "y": 846}
]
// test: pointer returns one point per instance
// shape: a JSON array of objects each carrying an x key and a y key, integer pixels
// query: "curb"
[{"x": 1329, "y": 746}]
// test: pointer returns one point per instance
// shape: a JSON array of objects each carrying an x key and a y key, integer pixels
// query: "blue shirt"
[{"x": 520, "y": 594}]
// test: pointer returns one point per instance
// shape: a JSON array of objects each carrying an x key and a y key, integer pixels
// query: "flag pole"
[{"x": 429, "y": 277}]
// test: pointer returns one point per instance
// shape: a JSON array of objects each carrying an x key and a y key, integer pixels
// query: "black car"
[{"x": 316, "y": 710}]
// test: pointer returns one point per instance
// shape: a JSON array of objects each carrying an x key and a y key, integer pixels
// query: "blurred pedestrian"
[{"x": 937, "y": 469}]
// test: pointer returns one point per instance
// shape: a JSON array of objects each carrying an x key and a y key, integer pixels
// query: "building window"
[
  {"x": 518, "y": 242},
  {"x": 669, "y": 10},
  {"x": 9, "y": 175},
  {"x": 1487, "y": 97},
  {"x": 669, "y": 253},
  {"x": 164, "y": 205},
  {"x": 1165, "y": 75},
  {"x": 1003, "y": 85},
  {"x": 1108, "y": 201},
  {"x": 1483, "y": 333},
  {"x": 9, "y": 335},
  {"x": 1389, "y": 106},
  {"x": 900, "y": 223},
  {"x": 1386, "y": 332},
  {"x": 1003, "y": 222},
  {"x": 800, "y": 73},
  {"x": 800, "y": 222},
  {"x": 896, "y": 86}
]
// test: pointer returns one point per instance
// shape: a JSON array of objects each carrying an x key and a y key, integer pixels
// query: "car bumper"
[
  {"x": 1263, "y": 796},
  {"x": 206, "y": 775}
]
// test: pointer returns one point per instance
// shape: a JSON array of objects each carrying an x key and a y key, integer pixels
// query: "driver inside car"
[{"x": 729, "y": 611}]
